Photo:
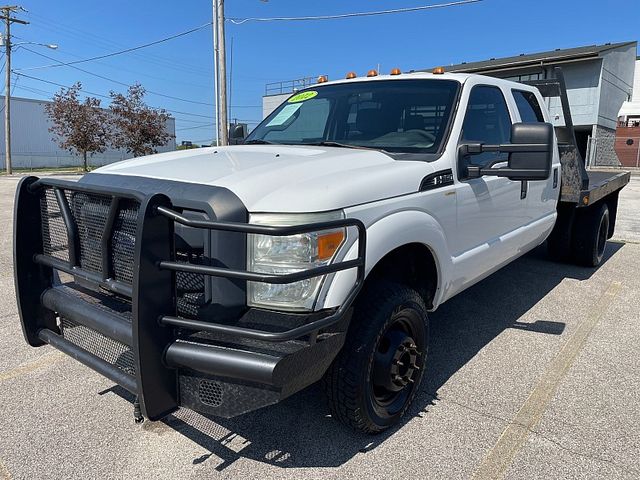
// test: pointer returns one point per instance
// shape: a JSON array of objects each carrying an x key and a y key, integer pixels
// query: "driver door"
[{"x": 489, "y": 208}]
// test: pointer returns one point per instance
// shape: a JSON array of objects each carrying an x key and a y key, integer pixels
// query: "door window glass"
[
  {"x": 486, "y": 121},
  {"x": 528, "y": 106}
]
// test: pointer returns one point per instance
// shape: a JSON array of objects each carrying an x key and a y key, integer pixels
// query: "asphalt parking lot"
[{"x": 533, "y": 373}]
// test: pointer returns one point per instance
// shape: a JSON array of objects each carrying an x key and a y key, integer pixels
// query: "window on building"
[
  {"x": 525, "y": 77},
  {"x": 528, "y": 106},
  {"x": 487, "y": 121}
]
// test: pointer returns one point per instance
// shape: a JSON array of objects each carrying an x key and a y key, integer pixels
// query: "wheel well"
[{"x": 413, "y": 265}]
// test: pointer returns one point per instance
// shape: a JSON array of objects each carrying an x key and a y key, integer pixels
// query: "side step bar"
[{"x": 112, "y": 372}]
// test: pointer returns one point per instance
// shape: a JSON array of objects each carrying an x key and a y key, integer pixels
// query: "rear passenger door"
[{"x": 541, "y": 194}]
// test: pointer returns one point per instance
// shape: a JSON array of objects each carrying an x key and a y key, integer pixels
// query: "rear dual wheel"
[
  {"x": 374, "y": 379},
  {"x": 590, "y": 234}
]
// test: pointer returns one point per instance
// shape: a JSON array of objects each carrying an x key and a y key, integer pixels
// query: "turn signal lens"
[
  {"x": 396, "y": 71},
  {"x": 438, "y": 70},
  {"x": 351, "y": 75},
  {"x": 323, "y": 79},
  {"x": 329, "y": 243},
  {"x": 372, "y": 73}
]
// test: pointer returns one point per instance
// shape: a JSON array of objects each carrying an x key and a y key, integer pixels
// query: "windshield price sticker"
[
  {"x": 283, "y": 115},
  {"x": 301, "y": 97}
]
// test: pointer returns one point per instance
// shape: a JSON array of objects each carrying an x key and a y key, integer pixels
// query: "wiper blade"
[
  {"x": 344, "y": 145},
  {"x": 258, "y": 141},
  {"x": 331, "y": 144}
]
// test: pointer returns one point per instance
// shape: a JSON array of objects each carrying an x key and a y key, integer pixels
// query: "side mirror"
[
  {"x": 530, "y": 153},
  {"x": 237, "y": 133}
]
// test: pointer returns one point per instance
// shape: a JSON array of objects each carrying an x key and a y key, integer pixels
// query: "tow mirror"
[
  {"x": 237, "y": 132},
  {"x": 530, "y": 153}
]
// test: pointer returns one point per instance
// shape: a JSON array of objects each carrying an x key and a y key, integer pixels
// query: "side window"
[
  {"x": 528, "y": 106},
  {"x": 487, "y": 120}
]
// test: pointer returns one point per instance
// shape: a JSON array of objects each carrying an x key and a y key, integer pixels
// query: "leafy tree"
[
  {"x": 78, "y": 126},
  {"x": 138, "y": 127}
]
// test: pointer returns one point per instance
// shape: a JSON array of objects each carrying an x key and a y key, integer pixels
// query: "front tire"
[{"x": 375, "y": 377}]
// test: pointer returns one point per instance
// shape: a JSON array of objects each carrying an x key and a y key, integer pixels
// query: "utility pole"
[
  {"x": 7, "y": 10},
  {"x": 221, "y": 63},
  {"x": 214, "y": 28}
]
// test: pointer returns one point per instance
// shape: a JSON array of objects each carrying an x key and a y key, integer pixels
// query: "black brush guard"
[{"x": 151, "y": 330}]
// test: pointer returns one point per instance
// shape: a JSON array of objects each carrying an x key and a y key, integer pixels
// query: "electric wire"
[
  {"x": 104, "y": 96},
  {"x": 126, "y": 50},
  {"x": 240, "y": 21},
  {"x": 196, "y": 102},
  {"x": 76, "y": 34}
]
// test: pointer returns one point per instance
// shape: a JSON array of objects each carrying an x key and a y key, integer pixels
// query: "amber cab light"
[
  {"x": 438, "y": 70},
  {"x": 372, "y": 73},
  {"x": 396, "y": 71},
  {"x": 323, "y": 79},
  {"x": 351, "y": 75}
]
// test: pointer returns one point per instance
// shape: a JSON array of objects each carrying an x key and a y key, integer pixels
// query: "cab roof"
[{"x": 460, "y": 77}]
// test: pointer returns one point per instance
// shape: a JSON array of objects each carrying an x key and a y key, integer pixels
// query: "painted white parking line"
[{"x": 499, "y": 457}]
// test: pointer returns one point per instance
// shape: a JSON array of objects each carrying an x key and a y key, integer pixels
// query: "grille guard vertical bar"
[
  {"x": 31, "y": 278},
  {"x": 73, "y": 238},
  {"x": 153, "y": 296},
  {"x": 106, "y": 237}
]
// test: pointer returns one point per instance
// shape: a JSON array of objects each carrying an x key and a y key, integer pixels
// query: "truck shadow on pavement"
[{"x": 299, "y": 431}]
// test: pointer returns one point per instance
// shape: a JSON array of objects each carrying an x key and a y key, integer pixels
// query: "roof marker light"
[
  {"x": 438, "y": 71},
  {"x": 351, "y": 75},
  {"x": 323, "y": 79},
  {"x": 372, "y": 73},
  {"x": 396, "y": 71}
]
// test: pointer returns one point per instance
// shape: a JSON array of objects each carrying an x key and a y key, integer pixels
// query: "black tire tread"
[
  {"x": 340, "y": 382},
  {"x": 585, "y": 235}
]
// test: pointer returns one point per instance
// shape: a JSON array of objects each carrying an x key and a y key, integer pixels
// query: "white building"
[{"x": 32, "y": 145}]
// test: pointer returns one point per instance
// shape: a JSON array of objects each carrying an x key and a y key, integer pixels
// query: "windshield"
[{"x": 405, "y": 116}]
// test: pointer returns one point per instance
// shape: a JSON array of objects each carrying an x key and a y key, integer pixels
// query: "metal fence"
[{"x": 289, "y": 86}]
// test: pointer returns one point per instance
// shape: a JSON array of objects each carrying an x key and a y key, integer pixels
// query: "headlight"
[{"x": 282, "y": 255}]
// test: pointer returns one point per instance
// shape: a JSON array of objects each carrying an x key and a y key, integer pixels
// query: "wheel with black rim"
[
  {"x": 590, "y": 234},
  {"x": 374, "y": 379}
]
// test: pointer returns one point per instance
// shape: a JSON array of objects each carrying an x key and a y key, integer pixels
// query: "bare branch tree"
[
  {"x": 80, "y": 127},
  {"x": 138, "y": 127}
]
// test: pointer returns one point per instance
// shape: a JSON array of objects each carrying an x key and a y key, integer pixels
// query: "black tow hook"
[{"x": 137, "y": 413}]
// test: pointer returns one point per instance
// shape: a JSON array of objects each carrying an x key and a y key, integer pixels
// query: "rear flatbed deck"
[{"x": 603, "y": 183}]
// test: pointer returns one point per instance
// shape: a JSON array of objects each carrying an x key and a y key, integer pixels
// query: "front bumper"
[{"x": 123, "y": 320}]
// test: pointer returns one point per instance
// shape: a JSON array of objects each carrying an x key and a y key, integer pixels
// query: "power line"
[
  {"x": 76, "y": 33},
  {"x": 114, "y": 81},
  {"x": 101, "y": 95},
  {"x": 127, "y": 85},
  {"x": 120, "y": 52},
  {"x": 137, "y": 72},
  {"x": 240, "y": 21}
]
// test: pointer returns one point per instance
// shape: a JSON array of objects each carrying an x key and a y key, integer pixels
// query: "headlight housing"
[{"x": 289, "y": 254}]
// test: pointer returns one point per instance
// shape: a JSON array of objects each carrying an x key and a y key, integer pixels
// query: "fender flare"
[{"x": 385, "y": 235}]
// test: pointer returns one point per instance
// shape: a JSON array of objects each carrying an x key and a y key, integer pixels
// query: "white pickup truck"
[{"x": 225, "y": 279}]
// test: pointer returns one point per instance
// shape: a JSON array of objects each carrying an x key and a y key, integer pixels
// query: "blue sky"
[{"x": 270, "y": 52}]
